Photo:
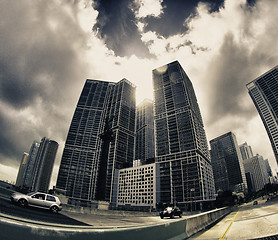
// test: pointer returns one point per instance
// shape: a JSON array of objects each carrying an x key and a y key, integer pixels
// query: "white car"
[{"x": 38, "y": 199}]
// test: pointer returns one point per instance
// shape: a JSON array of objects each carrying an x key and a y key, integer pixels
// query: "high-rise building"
[
  {"x": 100, "y": 140},
  {"x": 145, "y": 146},
  {"x": 268, "y": 168},
  {"x": 227, "y": 164},
  {"x": 256, "y": 167},
  {"x": 43, "y": 166},
  {"x": 246, "y": 151},
  {"x": 37, "y": 165},
  {"x": 264, "y": 93},
  {"x": 181, "y": 144},
  {"x": 21, "y": 171},
  {"x": 30, "y": 169}
]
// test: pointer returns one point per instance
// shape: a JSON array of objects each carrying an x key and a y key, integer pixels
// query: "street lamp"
[{"x": 192, "y": 190}]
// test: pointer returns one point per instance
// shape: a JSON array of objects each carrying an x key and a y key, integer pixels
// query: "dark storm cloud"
[
  {"x": 234, "y": 67},
  {"x": 228, "y": 72},
  {"x": 175, "y": 13},
  {"x": 116, "y": 24},
  {"x": 251, "y": 2},
  {"x": 8, "y": 149},
  {"x": 40, "y": 65},
  {"x": 32, "y": 52}
]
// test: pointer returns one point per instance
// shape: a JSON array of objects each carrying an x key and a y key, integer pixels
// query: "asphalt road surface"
[
  {"x": 247, "y": 222},
  {"x": 36, "y": 214},
  {"x": 75, "y": 218}
]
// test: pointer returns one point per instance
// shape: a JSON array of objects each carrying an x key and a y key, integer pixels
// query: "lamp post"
[{"x": 192, "y": 190}]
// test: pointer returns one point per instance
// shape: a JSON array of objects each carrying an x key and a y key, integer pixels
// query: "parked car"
[
  {"x": 170, "y": 212},
  {"x": 37, "y": 199}
]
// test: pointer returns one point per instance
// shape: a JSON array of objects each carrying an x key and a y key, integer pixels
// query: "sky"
[{"x": 49, "y": 48}]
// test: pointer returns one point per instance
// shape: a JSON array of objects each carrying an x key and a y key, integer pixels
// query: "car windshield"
[{"x": 29, "y": 194}]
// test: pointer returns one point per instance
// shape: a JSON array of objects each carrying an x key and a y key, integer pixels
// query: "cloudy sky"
[{"x": 49, "y": 48}]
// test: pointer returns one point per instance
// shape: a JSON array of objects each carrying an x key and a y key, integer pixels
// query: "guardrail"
[{"x": 12, "y": 229}]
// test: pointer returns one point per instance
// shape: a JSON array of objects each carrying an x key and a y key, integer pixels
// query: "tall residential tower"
[
  {"x": 227, "y": 164},
  {"x": 264, "y": 93},
  {"x": 30, "y": 168},
  {"x": 37, "y": 165},
  {"x": 145, "y": 146},
  {"x": 181, "y": 144},
  {"x": 22, "y": 170},
  {"x": 43, "y": 166},
  {"x": 246, "y": 151},
  {"x": 100, "y": 140},
  {"x": 255, "y": 167}
]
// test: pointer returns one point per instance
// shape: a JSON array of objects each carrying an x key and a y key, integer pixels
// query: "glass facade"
[
  {"x": 22, "y": 170},
  {"x": 121, "y": 107},
  {"x": 43, "y": 166},
  {"x": 227, "y": 164},
  {"x": 36, "y": 167},
  {"x": 79, "y": 170},
  {"x": 264, "y": 93},
  {"x": 30, "y": 168},
  {"x": 256, "y": 168},
  {"x": 181, "y": 144},
  {"x": 145, "y": 147},
  {"x": 246, "y": 151}
]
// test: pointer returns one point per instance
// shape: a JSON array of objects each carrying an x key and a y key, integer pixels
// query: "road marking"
[{"x": 224, "y": 234}]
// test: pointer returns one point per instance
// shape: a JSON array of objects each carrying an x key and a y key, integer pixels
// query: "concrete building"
[
  {"x": 43, "y": 165},
  {"x": 256, "y": 168},
  {"x": 145, "y": 145},
  {"x": 21, "y": 171},
  {"x": 181, "y": 144},
  {"x": 30, "y": 168},
  {"x": 246, "y": 151},
  {"x": 138, "y": 186},
  {"x": 227, "y": 164},
  {"x": 268, "y": 168},
  {"x": 100, "y": 140},
  {"x": 264, "y": 93}
]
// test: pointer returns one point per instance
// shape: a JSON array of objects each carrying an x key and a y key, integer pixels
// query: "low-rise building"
[{"x": 138, "y": 186}]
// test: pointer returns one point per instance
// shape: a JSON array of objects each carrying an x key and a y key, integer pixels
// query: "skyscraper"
[
  {"x": 43, "y": 166},
  {"x": 246, "y": 151},
  {"x": 100, "y": 140},
  {"x": 264, "y": 93},
  {"x": 256, "y": 167},
  {"x": 37, "y": 165},
  {"x": 268, "y": 168},
  {"x": 145, "y": 147},
  {"x": 181, "y": 144},
  {"x": 21, "y": 171},
  {"x": 227, "y": 164},
  {"x": 30, "y": 169}
]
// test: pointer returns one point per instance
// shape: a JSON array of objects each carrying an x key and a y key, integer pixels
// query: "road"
[
  {"x": 75, "y": 218},
  {"x": 35, "y": 214},
  {"x": 247, "y": 222}
]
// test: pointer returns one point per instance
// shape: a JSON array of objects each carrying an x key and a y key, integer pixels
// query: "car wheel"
[
  {"x": 54, "y": 209},
  {"x": 22, "y": 202},
  {"x": 180, "y": 215},
  {"x": 161, "y": 216},
  {"x": 172, "y": 215}
]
